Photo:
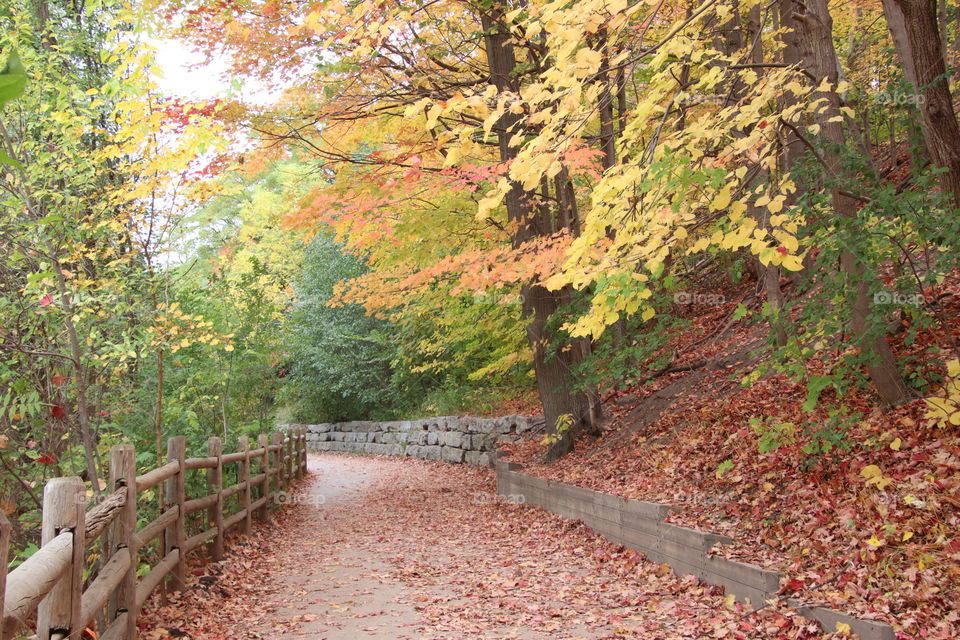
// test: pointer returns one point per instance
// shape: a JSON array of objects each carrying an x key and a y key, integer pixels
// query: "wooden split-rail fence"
[{"x": 63, "y": 595}]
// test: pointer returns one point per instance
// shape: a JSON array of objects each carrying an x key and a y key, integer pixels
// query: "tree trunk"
[
  {"x": 561, "y": 405},
  {"x": 734, "y": 37},
  {"x": 916, "y": 37},
  {"x": 813, "y": 27}
]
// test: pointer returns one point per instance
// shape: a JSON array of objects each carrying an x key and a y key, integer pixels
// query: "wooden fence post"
[
  {"x": 280, "y": 439},
  {"x": 215, "y": 485},
  {"x": 4, "y": 546},
  {"x": 176, "y": 495},
  {"x": 123, "y": 534},
  {"x": 277, "y": 439},
  {"x": 64, "y": 507},
  {"x": 264, "y": 443},
  {"x": 244, "y": 477},
  {"x": 288, "y": 461},
  {"x": 296, "y": 454},
  {"x": 303, "y": 454}
]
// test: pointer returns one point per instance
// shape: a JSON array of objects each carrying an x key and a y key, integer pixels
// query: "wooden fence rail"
[{"x": 50, "y": 588}]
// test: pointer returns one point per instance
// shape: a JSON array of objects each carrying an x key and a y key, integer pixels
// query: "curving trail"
[{"x": 399, "y": 548}]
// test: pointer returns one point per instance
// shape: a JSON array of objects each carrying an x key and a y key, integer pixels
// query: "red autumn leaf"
[
  {"x": 58, "y": 380},
  {"x": 46, "y": 300},
  {"x": 782, "y": 251},
  {"x": 794, "y": 585},
  {"x": 46, "y": 458},
  {"x": 58, "y": 412}
]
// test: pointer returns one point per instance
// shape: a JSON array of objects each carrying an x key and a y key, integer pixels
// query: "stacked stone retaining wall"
[{"x": 457, "y": 439}]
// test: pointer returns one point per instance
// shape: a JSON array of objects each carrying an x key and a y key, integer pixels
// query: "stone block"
[
  {"x": 430, "y": 453},
  {"x": 451, "y": 438},
  {"x": 477, "y": 458},
  {"x": 452, "y": 454},
  {"x": 481, "y": 425},
  {"x": 433, "y": 438},
  {"x": 378, "y": 449},
  {"x": 503, "y": 426}
]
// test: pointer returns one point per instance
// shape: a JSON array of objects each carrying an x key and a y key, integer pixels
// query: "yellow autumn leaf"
[
  {"x": 721, "y": 200},
  {"x": 906, "y": 536},
  {"x": 792, "y": 263},
  {"x": 895, "y": 444},
  {"x": 788, "y": 241},
  {"x": 843, "y": 628},
  {"x": 737, "y": 209},
  {"x": 875, "y": 542},
  {"x": 587, "y": 62},
  {"x": 871, "y": 471},
  {"x": 953, "y": 368}
]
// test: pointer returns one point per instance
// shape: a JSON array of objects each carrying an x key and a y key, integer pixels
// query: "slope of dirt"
[
  {"x": 884, "y": 547},
  {"x": 404, "y": 548}
]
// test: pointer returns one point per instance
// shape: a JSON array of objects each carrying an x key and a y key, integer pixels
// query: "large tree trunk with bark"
[
  {"x": 567, "y": 413},
  {"x": 733, "y": 38},
  {"x": 917, "y": 39},
  {"x": 813, "y": 31}
]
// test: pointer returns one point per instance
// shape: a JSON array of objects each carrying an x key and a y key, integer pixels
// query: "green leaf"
[
  {"x": 739, "y": 312},
  {"x": 6, "y": 159},
  {"x": 815, "y": 386},
  {"x": 13, "y": 80}
]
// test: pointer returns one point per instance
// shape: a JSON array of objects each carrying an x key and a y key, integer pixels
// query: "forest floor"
[
  {"x": 858, "y": 508},
  {"x": 374, "y": 547}
]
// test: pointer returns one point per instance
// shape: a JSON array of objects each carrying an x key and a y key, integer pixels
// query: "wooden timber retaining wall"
[
  {"x": 50, "y": 586},
  {"x": 641, "y": 526}
]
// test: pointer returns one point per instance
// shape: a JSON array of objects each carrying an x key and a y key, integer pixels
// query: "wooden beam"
[
  {"x": 64, "y": 508},
  {"x": 123, "y": 471},
  {"x": 215, "y": 485},
  {"x": 103, "y": 586},
  {"x": 176, "y": 496},
  {"x": 4, "y": 548},
  {"x": 155, "y": 528},
  {"x": 31, "y": 581},
  {"x": 155, "y": 477},
  {"x": 244, "y": 478},
  {"x": 263, "y": 441}
]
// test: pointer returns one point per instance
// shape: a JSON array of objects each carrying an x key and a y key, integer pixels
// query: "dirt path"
[{"x": 400, "y": 548}]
